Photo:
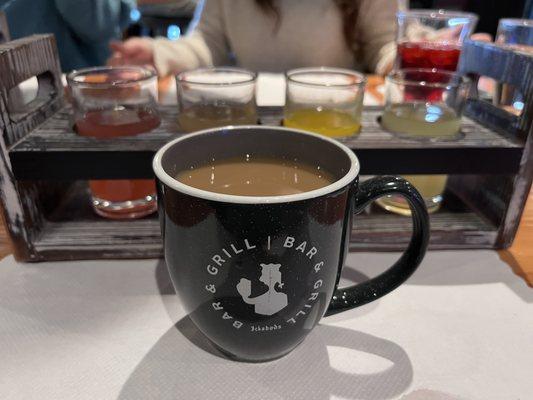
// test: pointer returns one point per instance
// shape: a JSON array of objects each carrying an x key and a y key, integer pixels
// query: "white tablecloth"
[{"x": 461, "y": 328}]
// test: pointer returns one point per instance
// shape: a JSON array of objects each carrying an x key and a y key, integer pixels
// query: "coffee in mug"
[{"x": 248, "y": 175}]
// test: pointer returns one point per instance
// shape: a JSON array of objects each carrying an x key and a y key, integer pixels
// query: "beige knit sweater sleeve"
[
  {"x": 376, "y": 34},
  {"x": 205, "y": 46}
]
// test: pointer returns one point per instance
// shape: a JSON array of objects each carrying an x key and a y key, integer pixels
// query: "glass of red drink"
[
  {"x": 110, "y": 102},
  {"x": 432, "y": 38}
]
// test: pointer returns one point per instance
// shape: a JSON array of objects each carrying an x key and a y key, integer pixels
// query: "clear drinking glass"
[
  {"x": 517, "y": 32},
  {"x": 432, "y": 38},
  {"x": 324, "y": 100},
  {"x": 518, "y": 35},
  {"x": 423, "y": 104},
  {"x": 110, "y": 102},
  {"x": 213, "y": 97}
]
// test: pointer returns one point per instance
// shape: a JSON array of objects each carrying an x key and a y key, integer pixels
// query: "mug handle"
[{"x": 368, "y": 291}]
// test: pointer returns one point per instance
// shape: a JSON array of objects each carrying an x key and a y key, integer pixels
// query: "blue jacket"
[{"x": 83, "y": 28}]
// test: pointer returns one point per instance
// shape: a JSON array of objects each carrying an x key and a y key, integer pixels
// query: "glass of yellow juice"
[
  {"x": 324, "y": 100},
  {"x": 214, "y": 97},
  {"x": 427, "y": 105}
]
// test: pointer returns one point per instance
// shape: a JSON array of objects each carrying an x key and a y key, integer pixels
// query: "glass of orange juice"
[
  {"x": 111, "y": 102},
  {"x": 324, "y": 100}
]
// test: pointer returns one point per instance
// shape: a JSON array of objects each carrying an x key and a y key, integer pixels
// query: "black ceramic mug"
[{"x": 256, "y": 274}]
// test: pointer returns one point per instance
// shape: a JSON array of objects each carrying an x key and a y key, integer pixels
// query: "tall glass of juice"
[
  {"x": 429, "y": 39},
  {"x": 324, "y": 100},
  {"x": 516, "y": 33},
  {"x": 111, "y": 102},
  {"x": 432, "y": 38},
  {"x": 213, "y": 97},
  {"x": 425, "y": 105}
]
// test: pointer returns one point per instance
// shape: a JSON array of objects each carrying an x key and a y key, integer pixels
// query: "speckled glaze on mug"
[{"x": 256, "y": 274}]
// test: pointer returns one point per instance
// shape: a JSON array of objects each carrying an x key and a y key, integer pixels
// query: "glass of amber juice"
[
  {"x": 423, "y": 104},
  {"x": 324, "y": 100},
  {"x": 111, "y": 102},
  {"x": 214, "y": 97}
]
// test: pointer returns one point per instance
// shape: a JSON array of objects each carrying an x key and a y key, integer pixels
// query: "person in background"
[
  {"x": 167, "y": 8},
  {"x": 163, "y": 17},
  {"x": 82, "y": 29},
  {"x": 270, "y": 35}
]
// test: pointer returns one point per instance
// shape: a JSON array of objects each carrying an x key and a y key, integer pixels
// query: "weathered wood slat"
[
  {"x": 23, "y": 203},
  {"x": 520, "y": 189},
  {"x": 500, "y": 198},
  {"x": 141, "y": 238},
  {"x": 505, "y": 66},
  {"x": 100, "y": 239},
  {"x": 73, "y": 231},
  {"x": 449, "y": 230},
  {"x": 488, "y": 194},
  {"x": 20, "y": 60},
  {"x": 57, "y": 134},
  {"x": 44, "y": 152}
]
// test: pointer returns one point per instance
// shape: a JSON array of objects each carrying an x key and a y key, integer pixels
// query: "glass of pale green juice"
[{"x": 427, "y": 105}]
